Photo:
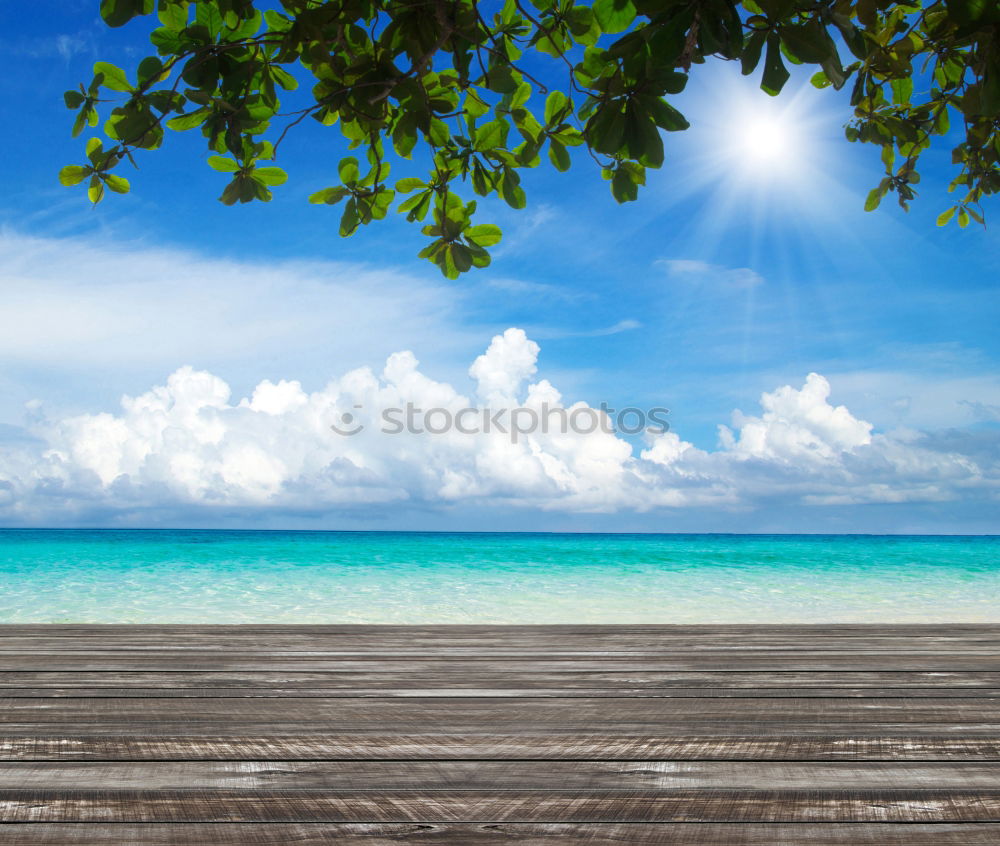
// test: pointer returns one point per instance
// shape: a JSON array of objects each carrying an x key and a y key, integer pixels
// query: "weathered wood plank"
[
  {"x": 420, "y": 745},
  {"x": 755, "y": 683},
  {"x": 528, "y": 644},
  {"x": 341, "y": 734},
  {"x": 717, "y": 728},
  {"x": 419, "y": 690},
  {"x": 497, "y": 775},
  {"x": 763, "y": 660},
  {"x": 489, "y": 834},
  {"x": 506, "y": 806},
  {"x": 611, "y": 714}
]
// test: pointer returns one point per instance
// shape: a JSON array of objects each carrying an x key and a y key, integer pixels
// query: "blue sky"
[{"x": 723, "y": 283}]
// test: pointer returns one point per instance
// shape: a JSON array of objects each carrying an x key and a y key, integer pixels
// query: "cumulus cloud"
[{"x": 191, "y": 443}]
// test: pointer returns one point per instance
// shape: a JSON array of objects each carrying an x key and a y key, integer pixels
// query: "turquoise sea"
[{"x": 181, "y": 576}]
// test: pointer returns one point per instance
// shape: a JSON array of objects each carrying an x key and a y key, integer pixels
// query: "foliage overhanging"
[{"x": 464, "y": 85}]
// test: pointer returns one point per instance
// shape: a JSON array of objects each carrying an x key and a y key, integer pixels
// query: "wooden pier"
[{"x": 366, "y": 735}]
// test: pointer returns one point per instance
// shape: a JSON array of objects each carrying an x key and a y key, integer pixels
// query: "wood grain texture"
[
  {"x": 415, "y": 746},
  {"x": 375, "y": 805},
  {"x": 459, "y": 714},
  {"x": 490, "y": 834},
  {"x": 497, "y": 775},
  {"x": 479, "y": 734},
  {"x": 264, "y": 680},
  {"x": 446, "y": 690},
  {"x": 478, "y": 663}
]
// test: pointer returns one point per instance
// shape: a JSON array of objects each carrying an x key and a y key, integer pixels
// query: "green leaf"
[
  {"x": 484, "y": 235},
  {"x": 150, "y": 68},
  {"x": 439, "y": 134},
  {"x": 751, "y": 52},
  {"x": 84, "y": 118},
  {"x": 74, "y": 99},
  {"x": 902, "y": 90},
  {"x": 190, "y": 120},
  {"x": 270, "y": 175},
  {"x": 808, "y": 42},
  {"x": 666, "y": 116},
  {"x": 348, "y": 170},
  {"x": 417, "y": 206},
  {"x": 614, "y": 15},
  {"x": 166, "y": 42},
  {"x": 284, "y": 78},
  {"x": 231, "y": 193},
  {"x": 874, "y": 199},
  {"x": 349, "y": 220},
  {"x": 820, "y": 80},
  {"x": 120, "y": 12},
  {"x": 410, "y": 184},
  {"x": 115, "y": 183},
  {"x": 775, "y": 72},
  {"x": 207, "y": 14},
  {"x": 93, "y": 149},
  {"x": 558, "y": 155},
  {"x": 491, "y": 135},
  {"x": 174, "y": 16},
  {"x": 404, "y": 134},
  {"x": 222, "y": 164},
  {"x": 474, "y": 105},
  {"x": 974, "y": 12},
  {"x": 623, "y": 189},
  {"x": 113, "y": 77},
  {"x": 96, "y": 190},
  {"x": 461, "y": 258},
  {"x": 74, "y": 174},
  {"x": 945, "y": 217},
  {"x": 606, "y": 128},
  {"x": 989, "y": 91},
  {"x": 330, "y": 196},
  {"x": 557, "y": 106}
]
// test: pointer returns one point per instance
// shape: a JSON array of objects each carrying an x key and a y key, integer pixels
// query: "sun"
[
  {"x": 748, "y": 139},
  {"x": 766, "y": 139},
  {"x": 773, "y": 166},
  {"x": 762, "y": 142}
]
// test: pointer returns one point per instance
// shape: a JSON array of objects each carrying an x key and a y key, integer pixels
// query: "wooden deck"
[{"x": 362, "y": 735}]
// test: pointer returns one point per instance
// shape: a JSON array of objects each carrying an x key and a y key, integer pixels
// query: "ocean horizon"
[{"x": 407, "y": 577}]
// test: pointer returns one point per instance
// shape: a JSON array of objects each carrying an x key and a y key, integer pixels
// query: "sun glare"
[
  {"x": 770, "y": 164},
  {"x": 747, "y": 138},
  {"x": 765, "y": 139},
  {"x": 761, "y": 143}
]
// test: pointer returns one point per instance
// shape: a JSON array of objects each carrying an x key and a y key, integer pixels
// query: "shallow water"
[{"x": 108, "y": 576}]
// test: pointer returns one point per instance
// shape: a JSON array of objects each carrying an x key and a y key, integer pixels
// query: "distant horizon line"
[{"x": 495, "y": 532}]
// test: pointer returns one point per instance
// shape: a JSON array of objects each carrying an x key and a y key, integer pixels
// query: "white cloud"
[
  {"x": 84, "y": 321},
  {"x": 627, "y": 325},
  {"x": 509, "y": 360},
  {"x": 191, "y": 443},
  {"x": 925, "y": 396},
  {"x": 982, "y": 411},
  {"x": 797, "y": 426},
  {"x": 701, "y": 272}
]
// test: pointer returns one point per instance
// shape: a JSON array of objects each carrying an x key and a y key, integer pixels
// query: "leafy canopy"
[{"x": 467, "y": 87}]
